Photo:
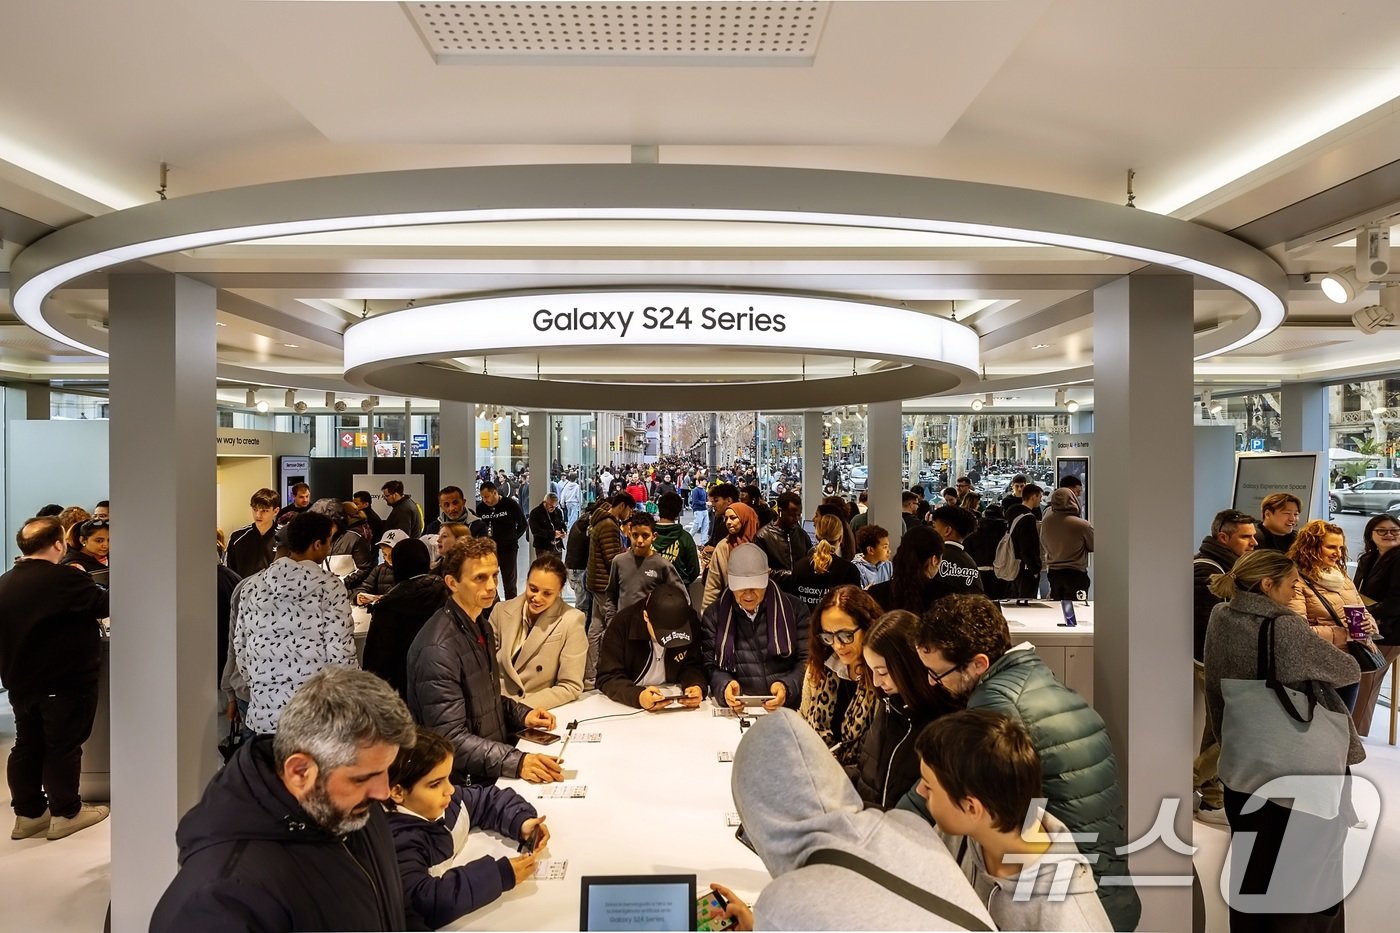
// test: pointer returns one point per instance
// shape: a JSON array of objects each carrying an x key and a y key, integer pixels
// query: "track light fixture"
[
  {"x": 290, "y": 399},
  {"x": 1341, "y": 286},
  {"x": 1373, "y": 253},
  {"x": 980, "y": 403},
  {"x": 1212, "y": 407},
  {"x": 369, "y": 404},
  {"x": 1062, "y": 401},
  {"x": 255, "y": 403},
  {"x": 333, "y": 404}
]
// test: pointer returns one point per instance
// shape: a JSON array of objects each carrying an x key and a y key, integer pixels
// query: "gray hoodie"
[
  {"x": 1067, "y": 539},
  {"x": 794, "y": 799},
  {"x": 1061, "y": 893}
]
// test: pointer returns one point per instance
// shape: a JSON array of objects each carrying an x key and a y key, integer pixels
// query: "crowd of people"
[{"x": 891, "y": 679}]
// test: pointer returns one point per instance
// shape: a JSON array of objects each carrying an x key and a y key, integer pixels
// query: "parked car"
[
  {"x": 860, "y": 477},
  {"x": 1368, "y": 497}
]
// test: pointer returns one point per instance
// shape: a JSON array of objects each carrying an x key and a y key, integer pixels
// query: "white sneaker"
[
  {"x": 1213, "y": 815},
  {"x": 27, "y": 826},
  {"x": 89, "y": 815}
]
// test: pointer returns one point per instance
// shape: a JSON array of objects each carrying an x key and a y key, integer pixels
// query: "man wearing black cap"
[{"x": 650, "y": 644}]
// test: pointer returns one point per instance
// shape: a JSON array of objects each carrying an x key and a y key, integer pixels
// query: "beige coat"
[
  {"x": 718, "y": 577},
  {"x": 1339, "y": 591},
  {"x": 549, "y": 669}
]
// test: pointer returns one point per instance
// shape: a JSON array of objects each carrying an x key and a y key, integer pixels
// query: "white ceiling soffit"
[{"x": 686, "y": 34}]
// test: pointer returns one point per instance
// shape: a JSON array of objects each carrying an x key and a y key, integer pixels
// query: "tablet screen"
[{"x": 638, "y": 902}]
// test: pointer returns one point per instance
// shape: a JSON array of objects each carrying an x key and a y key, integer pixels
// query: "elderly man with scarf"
[{"x": 754, "y": 637}]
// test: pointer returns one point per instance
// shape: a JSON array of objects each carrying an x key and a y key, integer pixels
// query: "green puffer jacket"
[{"x": 1079, "y": 772}]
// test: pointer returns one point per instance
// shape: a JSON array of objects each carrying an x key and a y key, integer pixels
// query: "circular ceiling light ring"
[
  {"x": 937, "y": 354},
  {"x": 644, "y": 192}
]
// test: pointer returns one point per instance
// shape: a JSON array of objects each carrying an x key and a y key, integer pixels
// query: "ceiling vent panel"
[{"x": 744, "y": 34}]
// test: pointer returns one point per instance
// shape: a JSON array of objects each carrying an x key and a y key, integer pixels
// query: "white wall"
[{"x": 64, "y": 462}]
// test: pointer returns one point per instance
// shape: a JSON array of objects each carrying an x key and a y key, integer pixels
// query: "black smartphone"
[
  {"x": 530, "y": 843},
  {"x": 1067, "y": 607},
  {"x": 539, "y": 736}
]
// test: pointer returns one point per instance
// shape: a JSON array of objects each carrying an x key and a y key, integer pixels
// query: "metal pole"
[{"x": 408, "y": 437}]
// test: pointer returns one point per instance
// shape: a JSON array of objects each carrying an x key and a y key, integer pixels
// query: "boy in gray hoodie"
[
  {"x": 798, "y": 807},
  {"x": 980, "y": 775}
]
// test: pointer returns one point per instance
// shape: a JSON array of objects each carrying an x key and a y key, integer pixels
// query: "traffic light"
[
  {"x": 826, "y": 442},
  {"x": 495, "y": 436}
]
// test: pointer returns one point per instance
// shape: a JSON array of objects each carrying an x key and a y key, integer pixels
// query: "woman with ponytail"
[
  {"x": 1257, "y": 590},
  {"x": 824, "y": 568}
]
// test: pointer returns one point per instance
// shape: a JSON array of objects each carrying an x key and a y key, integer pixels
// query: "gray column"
[
  {"x": 457, "y": 443},
  {"x": 163, "y": 691},
  {"x": 885, "y": 457},
  {"x": 812, "y": 449},
  {"x": 1305, "y": 428},
  {"x": 36, "y": 401},
  {"x": 1142, "y": 667},
  {"x": 1081, "y": 422},
  {"x": 540, "y": 454}
]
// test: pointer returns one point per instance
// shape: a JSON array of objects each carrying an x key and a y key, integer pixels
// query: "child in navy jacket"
[{"x": 430, "y": 819}]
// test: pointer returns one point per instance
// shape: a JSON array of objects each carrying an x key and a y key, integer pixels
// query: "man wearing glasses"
[
  {"x": 1233, "y": 534},
  {"x": 250, "y": 548},
  {"x": 965, "y": 646}
]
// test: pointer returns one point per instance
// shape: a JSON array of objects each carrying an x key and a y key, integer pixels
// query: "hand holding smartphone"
[
  {"x": 539, "y": 736},
  {"x": 710, "y": 912}
]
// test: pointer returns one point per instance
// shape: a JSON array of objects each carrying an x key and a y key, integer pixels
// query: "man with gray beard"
[{"x": 290, "y": 835}]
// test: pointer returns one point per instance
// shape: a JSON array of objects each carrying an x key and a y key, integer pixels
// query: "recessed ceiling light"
[
  {"x": 291, "y": 346},
  {"x": 220, "y": 324},
  {"x": 1042, "y": 346}
]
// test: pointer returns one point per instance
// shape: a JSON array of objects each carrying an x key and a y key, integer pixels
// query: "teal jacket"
[{"x": 1079, "y": 772}]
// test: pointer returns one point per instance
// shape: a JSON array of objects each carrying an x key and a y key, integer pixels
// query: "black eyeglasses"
[
  {"x": 937, "y": 679},
  {"x": 845, "y": 636},
  {"x": 93, "y": 524}
]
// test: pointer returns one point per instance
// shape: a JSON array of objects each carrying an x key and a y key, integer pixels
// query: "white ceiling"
[{"x": 1232, "y": 113}]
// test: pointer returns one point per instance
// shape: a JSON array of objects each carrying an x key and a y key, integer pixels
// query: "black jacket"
[
  {"x": 396, "y": 621},
  {"x": 888, "y": 765},
  {"x": 958, "y": 571},
  {"x": 809, "y": 586},
  {"x": 785, "y": 546},
  {"x": 753, "y": 666},
  {"x": 576, "y": 546},
  {"x": 353, "y": 543},
  {"x": 404, "y": 516},
  {"x": 454, "y": 687},
  {"x": 503, "y": 523},
  {"x": 251, "y": 859},
  {"x": 1378, "y": 578},
  {"x": 378, "y": 581},
  {"x": 626, "y": 652},
  {"x": 1025, "y": 537},
  {"x": 1268, "y": 541},
  {"x": 543, "y": 525},
  {"x": 250, "y": 552},
  {"x": 1204, "y": 565},
  {"x": 84, "y": 560},
  {"x": 50, "y": 640}
]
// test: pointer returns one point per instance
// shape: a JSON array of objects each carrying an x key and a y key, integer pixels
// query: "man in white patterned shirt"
[{"x": 293, "y": 622}]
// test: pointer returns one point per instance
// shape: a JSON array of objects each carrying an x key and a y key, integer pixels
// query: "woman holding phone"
[{"x": 838, "y": 697}]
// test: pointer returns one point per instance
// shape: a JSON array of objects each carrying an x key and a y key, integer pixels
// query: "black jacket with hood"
[
  {"x": 396, "y": 621},
  {"x": 251, "y": 859}
]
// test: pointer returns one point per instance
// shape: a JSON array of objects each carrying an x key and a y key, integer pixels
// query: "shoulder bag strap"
[
  {"x": 929, "y": 901},
  {"x": 1267, "y": 670},
  {"x": 1326, "y": 604}
]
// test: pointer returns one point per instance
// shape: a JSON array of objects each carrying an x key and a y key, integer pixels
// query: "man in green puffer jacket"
[{"x": 965, "y": 645}]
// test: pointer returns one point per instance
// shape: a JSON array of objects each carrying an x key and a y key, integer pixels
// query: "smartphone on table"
[
  {"x": 1067, "y": 607},
  {"x": 710, "y": 912},
  {"x": 539, "y": 736}
]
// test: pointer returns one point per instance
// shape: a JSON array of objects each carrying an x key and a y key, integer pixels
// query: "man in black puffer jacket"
[
  {"x": 281, "y": 841},
  {"x": 454, "y": 683}
]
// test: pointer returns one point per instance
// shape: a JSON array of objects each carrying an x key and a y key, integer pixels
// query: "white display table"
[
  {"x": 1069, "y": 652},
  {"x": 657, "y": 801}
]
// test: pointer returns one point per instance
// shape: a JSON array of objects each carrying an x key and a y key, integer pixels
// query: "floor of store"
[{"x": 68, "y": 882}]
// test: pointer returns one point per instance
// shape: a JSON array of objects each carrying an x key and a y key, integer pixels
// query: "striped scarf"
[{"x": 781, "y": 627}]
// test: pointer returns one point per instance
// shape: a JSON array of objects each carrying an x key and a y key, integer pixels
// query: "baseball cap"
[
  {"x": 748, "y": 567},
  {"x": 669, "y": 611},
  {"x": 392, "y": 537}
]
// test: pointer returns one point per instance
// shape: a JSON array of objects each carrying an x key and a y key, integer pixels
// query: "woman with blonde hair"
[
  {"x": 1324, "y": 590},
  {"x": 823, "y": 569},
  {"x": 741, "y": 525},
  {"x": 1257, "y": 591}
]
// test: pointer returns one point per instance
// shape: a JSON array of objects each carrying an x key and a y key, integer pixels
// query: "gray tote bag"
[{"x": 1266, "y": 736}]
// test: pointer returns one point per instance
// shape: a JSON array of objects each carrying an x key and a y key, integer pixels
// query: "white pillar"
[
  {"x": 541, "y": 440},
  {"x": 457, "y": 442},
  {"x": 1305, "y": 429},
  {"x": 1142, "y": 668},
  {"x": 812, "y": 448},
  {"x": 164, "y": 692},
  {"x": 884, "y": 457}
]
